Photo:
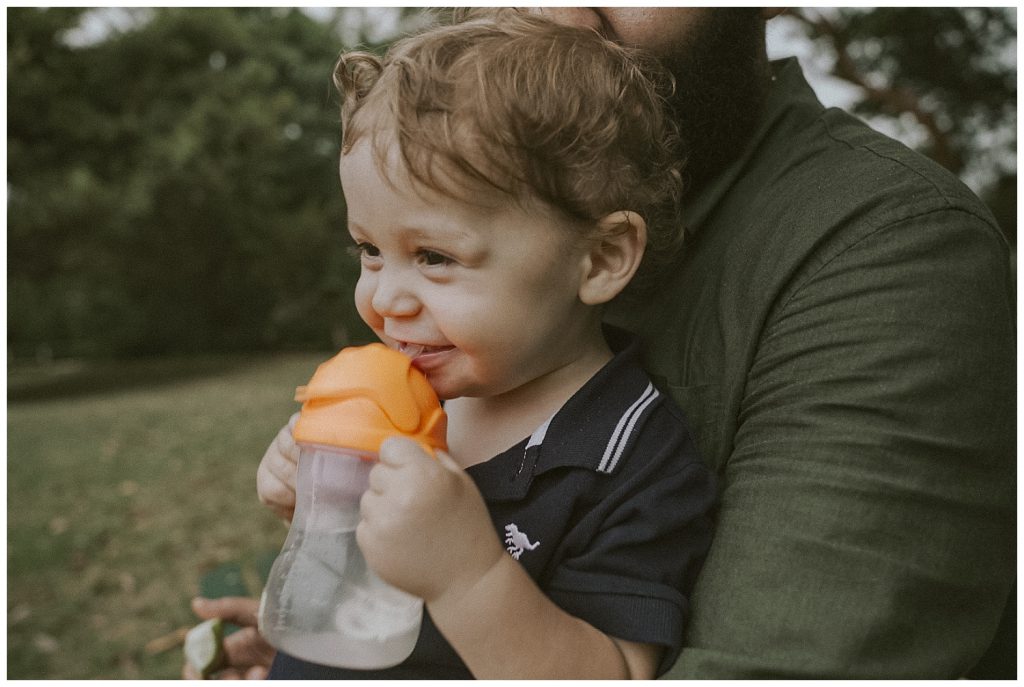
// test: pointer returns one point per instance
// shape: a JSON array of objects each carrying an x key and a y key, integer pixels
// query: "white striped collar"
[
  {"x": 593, "y": 430},
  {"x": 624, "y": 429},
  {"x": 537, "y": 438},
  {"x": 595, "y": 426}
]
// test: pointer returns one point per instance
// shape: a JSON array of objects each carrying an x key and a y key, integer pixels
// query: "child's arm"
[
  {"x": 504, "y": 627},
  {"x": 426, "y": 530}
]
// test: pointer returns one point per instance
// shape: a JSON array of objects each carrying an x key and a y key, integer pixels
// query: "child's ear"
[{"x": 613, "y": 257}]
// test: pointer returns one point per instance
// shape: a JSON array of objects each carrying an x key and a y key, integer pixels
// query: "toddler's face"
[{"x": 485, "y": 299}]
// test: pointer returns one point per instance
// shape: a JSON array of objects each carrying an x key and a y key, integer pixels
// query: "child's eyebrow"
[
  {"x": 434, "y": 231},
  {"x": 429, "y": 232}
]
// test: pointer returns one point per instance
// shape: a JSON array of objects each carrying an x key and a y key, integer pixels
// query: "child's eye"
[
  {"x": 433, "y": 258},
  {"x": 363, "y": 249}
]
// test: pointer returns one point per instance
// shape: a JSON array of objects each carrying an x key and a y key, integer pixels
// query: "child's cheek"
[{"x": 364, "y": 302}]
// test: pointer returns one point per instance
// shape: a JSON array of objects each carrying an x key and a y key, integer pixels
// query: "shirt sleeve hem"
[{"x": 633, "y": 617}]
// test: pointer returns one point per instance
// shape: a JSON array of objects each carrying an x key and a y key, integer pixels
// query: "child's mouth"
[{"x": 415, "y": 351}]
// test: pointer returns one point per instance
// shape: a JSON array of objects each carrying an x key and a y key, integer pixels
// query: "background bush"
[{"x": 173, "y": 189}]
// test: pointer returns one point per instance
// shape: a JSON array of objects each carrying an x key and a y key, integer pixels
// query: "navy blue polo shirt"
[{"x": 607, "y": 507}]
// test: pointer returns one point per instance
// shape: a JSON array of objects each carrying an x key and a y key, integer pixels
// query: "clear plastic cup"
[{"x": 322, "y": 603}]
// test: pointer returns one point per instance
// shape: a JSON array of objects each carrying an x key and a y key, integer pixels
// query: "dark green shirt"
[{"x": 840, "y": 334}]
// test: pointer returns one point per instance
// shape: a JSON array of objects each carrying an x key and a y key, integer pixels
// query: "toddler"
[{"x": 505, "y": 179}]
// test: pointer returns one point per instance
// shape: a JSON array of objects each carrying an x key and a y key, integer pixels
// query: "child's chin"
[{"x": 446, "y": 390}]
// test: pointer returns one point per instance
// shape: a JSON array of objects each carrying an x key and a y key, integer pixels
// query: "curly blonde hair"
[{"x": 520, "y": 105}]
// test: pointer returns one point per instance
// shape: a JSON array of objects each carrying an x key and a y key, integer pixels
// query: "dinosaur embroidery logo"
[{"x": 517, "y": 541}]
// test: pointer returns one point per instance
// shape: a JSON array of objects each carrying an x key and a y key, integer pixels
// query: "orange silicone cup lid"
[{"x": 364, "y": 395}]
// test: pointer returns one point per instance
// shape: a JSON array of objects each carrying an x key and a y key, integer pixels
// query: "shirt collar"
[
  {"x": 788, "y": 88},
  {"x": 581, "y": 432}
]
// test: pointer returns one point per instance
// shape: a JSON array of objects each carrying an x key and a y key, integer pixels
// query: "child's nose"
[{"x": 392, "y": 297}]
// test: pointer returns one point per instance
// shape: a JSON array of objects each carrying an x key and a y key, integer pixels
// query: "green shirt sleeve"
[{"x": 867, "y": 519}]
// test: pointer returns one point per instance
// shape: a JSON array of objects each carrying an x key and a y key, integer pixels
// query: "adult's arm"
[{"x": 868, "y": 507}]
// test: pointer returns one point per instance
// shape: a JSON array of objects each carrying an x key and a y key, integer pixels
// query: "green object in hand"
[{"x": 204, "y": 646}]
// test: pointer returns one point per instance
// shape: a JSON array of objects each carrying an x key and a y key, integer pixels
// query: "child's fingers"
[
  {"x": 275, "y": 493},
  {"x": 275, "y": 479},
  {"x": 285, "y": 442},
  {"x": 371, "y": 505},
  {"x": 275, "y": 482},
  {"x": 378, "y": 478},
  {"x": 281, "y": 466},
  {"x": 399, "y": 451}
]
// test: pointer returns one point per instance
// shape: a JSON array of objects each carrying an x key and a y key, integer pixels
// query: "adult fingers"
[
  {"x": 257, "y": 673},
  {"x": 188, "y": 672},
  {"x": 228, "y": 674},
  {"x": 247, "y": 648},
  {"x": 239, "y": 610}
]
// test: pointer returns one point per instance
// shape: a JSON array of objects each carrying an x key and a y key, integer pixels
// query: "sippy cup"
[{"x": 321, "y": 602}]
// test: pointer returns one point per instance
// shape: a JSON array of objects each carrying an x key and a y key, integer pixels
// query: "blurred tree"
[
  {"x": 173, "y": 187},
  {"x": 951, "y": 71}
]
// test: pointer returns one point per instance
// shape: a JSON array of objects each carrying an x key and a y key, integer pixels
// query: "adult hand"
[
  {"x": 275, "y": 478},
  {"x": 425, "y": 527},
  {"x": 247, "y": 656}
]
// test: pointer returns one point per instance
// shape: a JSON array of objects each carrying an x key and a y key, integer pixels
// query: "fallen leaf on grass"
[
  {"x": 59, "y": 525},
  {"x": 128, "y": 488},
  {"x": 18, "y": 614},
  {"x": 45, "y": 643},
  {"x": 127, "y": 581},
  {"x": 166, "y": 642}
]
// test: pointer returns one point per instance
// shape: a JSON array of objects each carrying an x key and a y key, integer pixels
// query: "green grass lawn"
[{"x": 125, "y": 485}]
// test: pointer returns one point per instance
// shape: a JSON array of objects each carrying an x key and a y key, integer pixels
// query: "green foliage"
[
  {"x": 174, "y": 187},
  {"x": 949, "y": 53}
]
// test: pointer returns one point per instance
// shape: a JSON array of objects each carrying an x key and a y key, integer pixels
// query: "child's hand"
[
  {"x": 275, "y": 478},
  {"x": 425, "y": 528}
]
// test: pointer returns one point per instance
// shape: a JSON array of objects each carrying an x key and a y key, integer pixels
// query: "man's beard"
[{"x": 722, "y": 78}]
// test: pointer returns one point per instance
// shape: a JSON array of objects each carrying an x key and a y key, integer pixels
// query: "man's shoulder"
[
  {"x": 889, "y": 170},
  {"x": 834, "y": 168},
  {"x": 822, "y": 181}
]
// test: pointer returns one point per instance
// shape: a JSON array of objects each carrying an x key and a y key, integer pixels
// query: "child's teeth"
[{"x": 413, "y": 350}]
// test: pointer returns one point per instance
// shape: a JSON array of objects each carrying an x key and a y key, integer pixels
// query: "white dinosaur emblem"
[{"x": 517, "y": 541}]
